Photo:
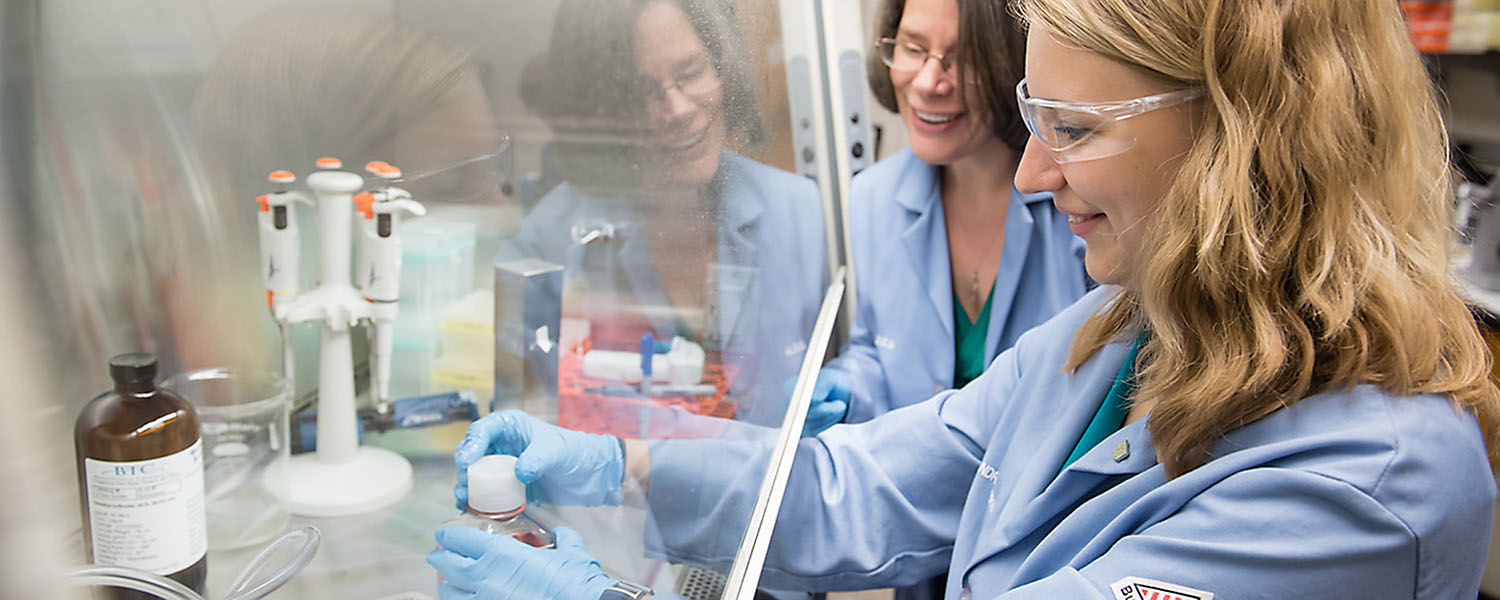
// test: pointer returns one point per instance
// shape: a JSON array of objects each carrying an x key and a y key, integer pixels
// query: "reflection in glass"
[
  {"x": 303, "y": 82},
  {"x": 661, "y": 226},
  {"x": 664, "y": 228},
  {"x": 462, "y": 180},
  {"x": 156, "y": 131}
]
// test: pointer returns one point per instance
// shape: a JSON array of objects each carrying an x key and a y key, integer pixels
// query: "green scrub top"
[
  {"x": 1111, "y": 415},
  {"x": 968, "y": 341}
]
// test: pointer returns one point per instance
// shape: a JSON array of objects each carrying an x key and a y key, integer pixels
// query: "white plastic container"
[{"x": 497, "y": 503}]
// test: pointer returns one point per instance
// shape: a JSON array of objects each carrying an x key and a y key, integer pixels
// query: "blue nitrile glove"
[
  {"x": 830, "y": 400},
  {"x": 476, "y": 565},
  {"x": 558, "y": 466}
]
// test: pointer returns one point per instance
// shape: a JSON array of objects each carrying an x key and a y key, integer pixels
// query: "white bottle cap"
[{"x": 493, "y": 487}]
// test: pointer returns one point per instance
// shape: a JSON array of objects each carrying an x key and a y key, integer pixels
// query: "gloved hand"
[
  {"x": 830, "y": 400},
  {"x": 559, "y": 466},
  {"x": 484, "y": 566}
]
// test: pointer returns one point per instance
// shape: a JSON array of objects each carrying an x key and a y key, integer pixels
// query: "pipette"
[
  {"x": 280, "y": 253},
  {"x": 379, "y": 273},
  {"x": 343, "y": 477}
]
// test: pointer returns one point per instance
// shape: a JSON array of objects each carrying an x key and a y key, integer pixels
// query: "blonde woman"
[{"x": 1277, "y": 392}]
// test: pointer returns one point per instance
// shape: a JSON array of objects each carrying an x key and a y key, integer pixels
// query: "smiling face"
[
  {"x": 684, "y": 95},
  {"x": 940, "y": 118},
  {"x": 1107, "y": 200}
]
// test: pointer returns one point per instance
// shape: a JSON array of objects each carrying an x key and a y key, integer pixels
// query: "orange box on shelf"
[{"x": 1429, "y": 23}]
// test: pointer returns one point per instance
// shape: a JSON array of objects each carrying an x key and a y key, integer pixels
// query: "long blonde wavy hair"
[{"x": 1304, "y": 244}]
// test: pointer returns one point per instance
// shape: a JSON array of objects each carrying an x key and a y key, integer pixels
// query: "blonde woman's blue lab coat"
[
  {"x": 1354, "y": 493},
  {"x": 901, "y": 347}
]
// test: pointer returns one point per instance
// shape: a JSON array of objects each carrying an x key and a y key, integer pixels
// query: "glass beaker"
[{"x": 244, "y": 415}]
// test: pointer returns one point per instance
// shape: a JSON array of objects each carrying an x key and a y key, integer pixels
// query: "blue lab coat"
[
  {"x": 1354, "y": 493},
  {"x": 900, "y": 350},
  {"x": 770, "y": 276}
]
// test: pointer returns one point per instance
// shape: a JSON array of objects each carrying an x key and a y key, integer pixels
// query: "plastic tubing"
[
  {"x": 264, "y": 574},
  {"x": 131, "y": 579},
  {"x": 301, "y": 545}
]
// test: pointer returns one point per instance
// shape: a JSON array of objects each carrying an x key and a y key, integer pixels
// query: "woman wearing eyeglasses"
[
  {"x": 1276, "y": 392},
  {"x": 660, "y": 224},
  {"x": 953, "y": 262}
]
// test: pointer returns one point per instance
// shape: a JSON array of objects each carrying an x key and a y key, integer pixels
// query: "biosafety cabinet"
[{"x": 622, "y": 217}]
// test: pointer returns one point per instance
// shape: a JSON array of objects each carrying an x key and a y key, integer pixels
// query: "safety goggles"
[
  {"x": 463, "y": 180},
  {"x": 1078, "y": 131}
]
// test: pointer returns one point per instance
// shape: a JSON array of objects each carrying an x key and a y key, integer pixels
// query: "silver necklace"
[{"x": 974, "y": 296}]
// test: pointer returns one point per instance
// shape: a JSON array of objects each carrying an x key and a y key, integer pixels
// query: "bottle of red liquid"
[{"x": 497, "y": 503}]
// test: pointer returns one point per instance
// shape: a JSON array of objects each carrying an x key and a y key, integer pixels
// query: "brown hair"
[
  {"x": 991, "y": 48},
  {"x": 585, "y": 87},
  {"x": 1303, "y": 244}
]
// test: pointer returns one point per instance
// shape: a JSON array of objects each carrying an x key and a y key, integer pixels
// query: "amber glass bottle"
[{"x": 140, "y": 476}]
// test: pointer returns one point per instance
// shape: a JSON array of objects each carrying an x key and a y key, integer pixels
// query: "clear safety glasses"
[
  {"x": 463, "y": 180},
  {"x": 1078, "y": 131}
]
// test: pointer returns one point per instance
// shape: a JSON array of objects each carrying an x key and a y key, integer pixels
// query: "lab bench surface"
[{"x": 380, "y": 555}]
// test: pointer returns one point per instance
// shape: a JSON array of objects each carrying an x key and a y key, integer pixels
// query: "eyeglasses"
[
  {"x": 695, "y": 77},
  {"x": 463, "y": 180},
  {"x": 1078, "y": 131},
  {"x": 907, "y": 56}
]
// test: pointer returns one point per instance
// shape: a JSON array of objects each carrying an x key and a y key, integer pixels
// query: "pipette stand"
[{"x": 341, "y": 477}]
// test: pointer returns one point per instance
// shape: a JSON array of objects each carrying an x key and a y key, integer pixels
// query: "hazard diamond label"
[{"x": 1140, "y": 588}]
